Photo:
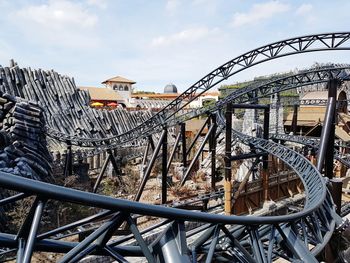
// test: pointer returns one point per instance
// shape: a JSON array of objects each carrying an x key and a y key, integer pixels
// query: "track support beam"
[
  {"x": 68, "y": 165},
  {"x": 228, "y": 153},
  {"x": 212, "y": 146},
  {"x": 183, "y": 140},
  {"x": 326, "y": 152},
  {"x": 164, "y": 165},
  {"x": 150, "y": 166}
]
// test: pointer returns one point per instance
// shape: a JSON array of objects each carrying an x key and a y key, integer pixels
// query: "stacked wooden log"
[
  {"x": 23, "y": 145},
  {"x": 66, "y": 107}
]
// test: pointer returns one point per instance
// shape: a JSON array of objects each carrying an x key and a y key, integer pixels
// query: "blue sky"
[{"x": 156, "y": 42}]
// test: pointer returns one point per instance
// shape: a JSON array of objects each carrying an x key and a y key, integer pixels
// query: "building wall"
[{"x": 123, "y": 89}]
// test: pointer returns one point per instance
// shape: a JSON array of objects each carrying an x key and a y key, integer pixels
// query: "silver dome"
[{"x": 170, "y": 88}]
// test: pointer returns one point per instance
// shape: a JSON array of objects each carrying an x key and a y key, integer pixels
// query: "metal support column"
[
  {"x": 112, "y": 155},
  {"x": 100, "y": 176},
  {"x": 228, "y": 153},
  {"x": 195, "y": 158},
  {"x": 33, "y": 232},
  {"x": 110, "y": 158},
  {"x": 172, "y": 154},
  {"x": 336, "y": 191},
  {"x": 197, "y": 136},
  {"x": 164, "y": 165},
  {"x": 212, "y": 146},
  {"x": 265, "y": 173},
  {"x": 333, "y": 85},
  {"x": 149, "y": 167},
  {"x": 183, "y": 139},
  {"x": 144, "y": 159},
  {"x": 68, "y": 166},
  {"x": 295, "y": 119},
  {"x": 325, "y": 154},
  {"x": 150, "y": 138}
]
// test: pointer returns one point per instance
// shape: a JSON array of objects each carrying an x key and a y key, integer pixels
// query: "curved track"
[
  {"x": 235, "y": 238},
  {"x": 313, "y": 143},
  {"x": 292, "y": 46}
]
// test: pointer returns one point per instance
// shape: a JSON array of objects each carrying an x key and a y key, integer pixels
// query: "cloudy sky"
[{"x": 155, "y": 42}]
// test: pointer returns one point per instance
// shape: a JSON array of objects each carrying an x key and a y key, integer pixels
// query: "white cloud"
[
  {"x": 259, "y": 12},
  {"x": 185, "y": 36},
  {"x": 172, "y": 5},
  {"x": 58, "y": 22},
  {"x": 304, "y": 9},
  {"x": 58, "y": 14},
  {"x": 98, "y": 3},
  {"x": 5, "y": 51}
]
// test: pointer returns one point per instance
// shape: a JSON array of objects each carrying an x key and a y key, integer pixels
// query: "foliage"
[{"x": 143, "y": 92}]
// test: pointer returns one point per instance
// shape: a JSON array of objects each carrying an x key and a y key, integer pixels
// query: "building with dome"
[
  {"x": 170, "y": 89},
  {"x": 170, "y": 93},
  {"x": 118, "y": 91}
]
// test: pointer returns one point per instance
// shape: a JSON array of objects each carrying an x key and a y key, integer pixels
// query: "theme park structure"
[{"x": 39, "y": 106}]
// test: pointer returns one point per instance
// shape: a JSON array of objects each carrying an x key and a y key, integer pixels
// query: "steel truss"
[
  {"x": 253, "y": 239},
  {"x": 292, "y": 46},
  {"x": 313, "y": 143},
  {"x": 258, "y": 90},
  {"x": 258, "y": 239},
  {"x": 230, "y": 238}
]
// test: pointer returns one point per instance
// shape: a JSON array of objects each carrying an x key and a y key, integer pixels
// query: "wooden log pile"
[
  {"x": 23, "y": 144},
  {"x": 66, "y": 107}
]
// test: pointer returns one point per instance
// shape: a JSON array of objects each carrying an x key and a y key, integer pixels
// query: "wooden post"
[{"x": 228, "y": 153}]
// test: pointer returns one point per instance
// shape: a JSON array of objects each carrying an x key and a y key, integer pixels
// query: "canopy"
[
  {"x": 112, "y": 104},
  {"x": 96, "y": 104}
]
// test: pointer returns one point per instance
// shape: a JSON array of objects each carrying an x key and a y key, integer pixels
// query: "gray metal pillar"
[
  {"x": 100, "y": 176},
  {"x": 295, "y": 119},
  {"x": 336, "y": 192},
  {"x": 144, "y": 159},
  {"x": 183, "y": 139},
  {"x": 265, "y": 172},
  {"x": 197, "y": 136},
  {"x": 195, "y": 158},
  {"x": 149, "y": 167},
  {"x": 266, "y": 133},
  {"x": 213, "y": 152},
  {"x": 228, "y": 153},
  {"x": 68, "y": 166},
  {"x": 326, "y": 150},
  {"x": 172, "y": 154},
  {"x": 164, "y": 165}
]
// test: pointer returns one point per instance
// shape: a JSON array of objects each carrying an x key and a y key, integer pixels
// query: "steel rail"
[
  {"x": 258, "y": 90},
  {"x": 318, "y": 209},
  {"x": 315, "y": 202},
  {"x": 314, "y": 143},
  {"x": 267, "y": 146},
  {"x": 55, "y": 192},
  {"x": 287, "y": 47},
  {"x": 305, "y": 77}
]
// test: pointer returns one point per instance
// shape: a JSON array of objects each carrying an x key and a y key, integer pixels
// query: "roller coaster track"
[
  {"x": 292, "y": 46},
  {"x": 295, "y": 237},
  {"x": 264, "y": 89},
  {"x": 287, "y": 236},
  {"x": 314, "y": 143},
  {"x": 248, "y": 93}
]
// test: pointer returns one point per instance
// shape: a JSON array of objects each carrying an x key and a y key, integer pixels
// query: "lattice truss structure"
[{"x": 299, "y": 236}]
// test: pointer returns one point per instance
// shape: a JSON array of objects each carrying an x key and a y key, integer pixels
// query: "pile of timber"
[
  {"x": 23, "y": 144},
  {"x": 66, "y": 107}
]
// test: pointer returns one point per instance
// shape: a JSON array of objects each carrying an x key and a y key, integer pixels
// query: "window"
[
  {"x": 126, "y": 88},
  {"x": 115, "y": 87}
]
